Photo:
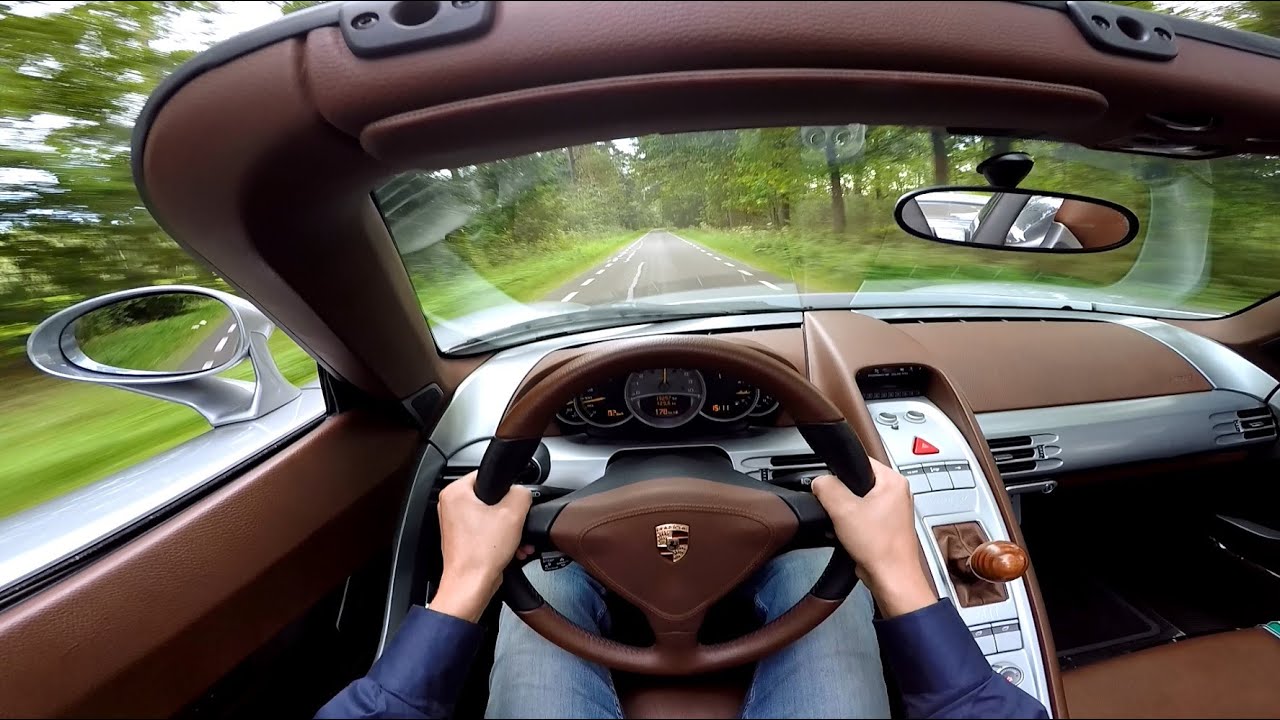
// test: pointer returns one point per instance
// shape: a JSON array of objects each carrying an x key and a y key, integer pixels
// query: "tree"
[{"x": 941, "y": 165}]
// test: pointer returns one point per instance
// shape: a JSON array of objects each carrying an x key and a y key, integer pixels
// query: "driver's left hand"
[{"x": 477, "y": 542}]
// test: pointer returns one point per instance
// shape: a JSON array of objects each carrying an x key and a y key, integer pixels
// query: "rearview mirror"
[{"x": 1016, "y": 219}]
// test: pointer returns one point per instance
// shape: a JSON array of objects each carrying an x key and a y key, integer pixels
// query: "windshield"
[{"x": 708, "y": 223}]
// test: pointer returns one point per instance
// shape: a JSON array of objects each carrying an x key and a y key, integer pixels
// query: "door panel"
[{"x": 145, "y": 629}]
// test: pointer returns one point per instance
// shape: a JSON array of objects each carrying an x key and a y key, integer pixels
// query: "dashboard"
[{"x": 659, "y": 399}]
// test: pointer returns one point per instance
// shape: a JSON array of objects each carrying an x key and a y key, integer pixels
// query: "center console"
[{"x": 955, "y": 508}]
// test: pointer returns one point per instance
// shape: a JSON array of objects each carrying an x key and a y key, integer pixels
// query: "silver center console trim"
[{"x": 946, "y": 503}]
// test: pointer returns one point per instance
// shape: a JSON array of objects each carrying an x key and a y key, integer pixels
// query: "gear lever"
[{"x": 978, "y": 567}]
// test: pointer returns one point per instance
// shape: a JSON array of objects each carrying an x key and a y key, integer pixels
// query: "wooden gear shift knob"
[{"x": 998, "y": 561}]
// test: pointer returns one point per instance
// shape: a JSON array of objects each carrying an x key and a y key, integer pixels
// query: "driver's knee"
[
  {"x": 572, "y": 592},
  {"x": 786, "y": 579}
]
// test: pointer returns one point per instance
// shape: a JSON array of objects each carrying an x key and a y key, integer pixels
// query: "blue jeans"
[{"x": 834, "y": 671}]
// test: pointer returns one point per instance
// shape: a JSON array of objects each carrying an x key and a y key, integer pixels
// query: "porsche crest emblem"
[{"x": 673, "y": 540}]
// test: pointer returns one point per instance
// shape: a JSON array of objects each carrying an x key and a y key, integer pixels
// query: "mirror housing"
[
  {"x": 54, "y": 347},
  {"x": 1018, "y": 219}
]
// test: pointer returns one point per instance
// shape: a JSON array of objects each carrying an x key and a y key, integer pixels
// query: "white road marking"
[
  {"x": 221, "y": 344},
  {"x": 770, "y": 285},
  {"x": 729, "y": 265},
  {"x": 588, "y": 281},
  {"x": 744, "y": 272},
  {"x": 231, "y": 329},
  {"x": 609, "y": 265},
  {"x": 568, "y": 297},
  {"x": 716, "y": 257},
  {"x": 631, "y": 291},
  {"x": 600, "y": 271},
  {"x": 207, "y": 364}
]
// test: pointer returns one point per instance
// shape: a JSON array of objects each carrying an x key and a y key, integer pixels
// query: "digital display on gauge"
[
  {"x": 665, "y": 397},
  {"x": 728, "y": 398}
]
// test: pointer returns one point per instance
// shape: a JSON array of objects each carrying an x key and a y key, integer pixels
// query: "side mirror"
[
  {"x": 168, "y": 342},
  {"x": 1016, "y": 219}
]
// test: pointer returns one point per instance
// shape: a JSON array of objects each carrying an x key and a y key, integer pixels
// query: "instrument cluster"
[{"x": 665, "y": 398}]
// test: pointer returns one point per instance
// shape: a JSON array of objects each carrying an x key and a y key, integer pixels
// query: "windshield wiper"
[{"x": 607, "y": 316}]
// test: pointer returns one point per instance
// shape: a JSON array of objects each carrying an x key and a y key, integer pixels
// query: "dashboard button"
[
  {"x": 887, "y": 418},
  {"x": 938, "y": 477},
  {"x": 985, "y": 639},
  {"x": 1009, "y": 672},
  {"x": 913, "y": 416},
  {"x": 1008, "y": 637},
  {"x": 961, "y": 475},
  {"x": 923, "y": 447},
  {"x": 916, "y": 478}
]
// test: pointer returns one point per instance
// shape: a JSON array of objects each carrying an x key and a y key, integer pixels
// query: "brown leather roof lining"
[
  {"x": 468, "y": 131},
  {"x": 255, "y": 165},
  {"x": 148, "y": 627},
  {"x": 839, "y": 344},
  {"x": 1016, "y": 365}
]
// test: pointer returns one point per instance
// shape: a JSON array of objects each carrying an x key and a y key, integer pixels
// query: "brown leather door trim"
[{"x": 146, "y": 628}]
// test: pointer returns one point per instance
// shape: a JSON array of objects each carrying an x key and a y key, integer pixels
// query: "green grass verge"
[
  {"x": 59, "y": 435},
  {"x": 447, "y": 290},
  {"x": 159, "y": 345}
]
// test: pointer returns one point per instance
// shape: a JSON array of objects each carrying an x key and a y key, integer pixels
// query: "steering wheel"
[{"x": 673, "y": 534}]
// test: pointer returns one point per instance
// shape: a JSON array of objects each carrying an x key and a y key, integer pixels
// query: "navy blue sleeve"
[
  {"x": 941, "y": 671},
  {"x": 419, "y": 674}
]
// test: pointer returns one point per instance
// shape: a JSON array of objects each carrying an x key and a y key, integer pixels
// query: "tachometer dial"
[
  {"x": 728, "y": 398},
  {"x": 765, "y": 404},
  {"x": 569, "y": 414},
  {"x": 603, "y": 405},
  {"x": 665, "y": 397}
]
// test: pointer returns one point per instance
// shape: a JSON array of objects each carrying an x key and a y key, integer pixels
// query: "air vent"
[
  {"x": 1250, "y": 425},
  {"x": 1009, "y": 442},
  {"x": 779, "y": 461},
  {"x": 1021, "y": 455}
]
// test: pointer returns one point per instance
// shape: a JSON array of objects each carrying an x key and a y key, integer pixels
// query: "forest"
[{"x": 816, "y": 209}]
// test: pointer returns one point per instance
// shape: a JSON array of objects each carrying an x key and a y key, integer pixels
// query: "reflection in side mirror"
[
  {"x": 155, "y": 334},
  {"x": 1016, "y": 219}
]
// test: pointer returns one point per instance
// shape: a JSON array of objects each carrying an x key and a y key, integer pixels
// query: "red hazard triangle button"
[{"x": 923, "y": 447}]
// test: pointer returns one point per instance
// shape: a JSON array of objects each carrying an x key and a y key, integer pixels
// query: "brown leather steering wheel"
[{"x": 674, "y": 534}]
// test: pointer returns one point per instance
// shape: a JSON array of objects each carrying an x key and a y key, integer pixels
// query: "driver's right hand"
[{"x": 879, "y": 532}]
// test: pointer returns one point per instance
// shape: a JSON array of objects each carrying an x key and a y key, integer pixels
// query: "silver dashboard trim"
[
  {"x": 1094, "y": 435},
  {"x": 38, "y": 538}
]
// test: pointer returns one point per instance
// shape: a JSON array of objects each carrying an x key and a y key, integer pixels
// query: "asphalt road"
[
  {"x": 659, "y": 263},
  {"x": 214, "y": 350}
]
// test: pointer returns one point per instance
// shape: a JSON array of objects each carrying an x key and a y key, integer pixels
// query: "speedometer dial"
[
  {"x": 665, "y": 397},
  {"x": 603, "y": 405},
  {"x": 728, "y": 398}
]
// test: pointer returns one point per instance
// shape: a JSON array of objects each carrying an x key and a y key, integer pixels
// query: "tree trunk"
[
  {"x": 941, "y": 165},
  {"x": 573, "y": 165},
  {"x": 837, "y": 198}
]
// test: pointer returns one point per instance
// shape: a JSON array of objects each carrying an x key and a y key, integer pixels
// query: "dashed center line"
[
  {"x": 744, "y": 272},
  {"x": 207, "y": 364},
  {"x": 631, "y": 291},
  {"x": 770, "y": 285},
  {"x": 600, "y": 271},
  {"x": 568, "y": 297},
  {"x": 729, "y": 264},
  {"x": 588, "y": 281},
  {"x": 221, "y": 344},
  {"x": 231, "y": 329}
]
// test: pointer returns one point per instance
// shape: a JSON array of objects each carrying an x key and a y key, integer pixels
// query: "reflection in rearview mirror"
[
  {"x": 1016, "y": 219},
  {"x": 163, "y": 333}
]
